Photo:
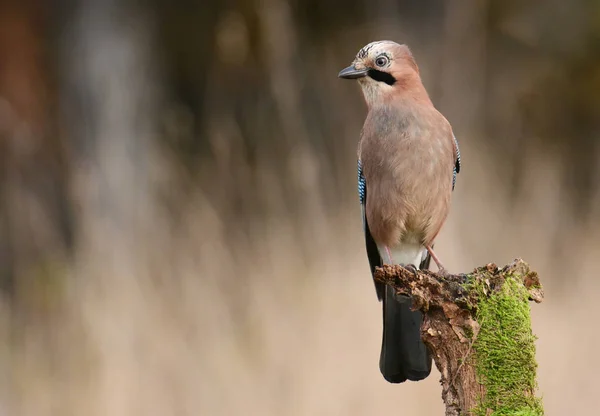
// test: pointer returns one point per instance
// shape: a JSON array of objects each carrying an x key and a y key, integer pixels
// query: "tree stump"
[{"x": 478, "y": 329}]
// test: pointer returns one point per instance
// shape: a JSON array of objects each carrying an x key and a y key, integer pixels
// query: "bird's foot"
[
  {"x": 411, "y": 268},
  {"x": 443, "y": 272}
]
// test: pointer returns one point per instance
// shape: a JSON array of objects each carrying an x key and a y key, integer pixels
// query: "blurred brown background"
[{"x": 179, "y": 225}]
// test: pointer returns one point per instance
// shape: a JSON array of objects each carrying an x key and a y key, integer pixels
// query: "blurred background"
[{"x": 179, "y": 225}]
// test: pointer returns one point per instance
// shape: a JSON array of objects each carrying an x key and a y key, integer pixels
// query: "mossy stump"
[{"x": 478, "y": 329}]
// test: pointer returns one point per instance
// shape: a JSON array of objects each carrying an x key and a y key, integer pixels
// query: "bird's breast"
[{"x": 408, "y": 170}]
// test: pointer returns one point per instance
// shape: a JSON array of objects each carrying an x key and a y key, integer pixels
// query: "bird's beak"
[{"x": 352, "y": 73}]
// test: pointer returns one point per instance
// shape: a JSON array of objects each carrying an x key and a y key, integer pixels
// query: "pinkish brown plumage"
[
  {"x": 408, "y": 160},
  {"x": 407, "y": 153}
]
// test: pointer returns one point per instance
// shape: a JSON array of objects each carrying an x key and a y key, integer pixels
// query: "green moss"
[{"x": 504, "y": 351}]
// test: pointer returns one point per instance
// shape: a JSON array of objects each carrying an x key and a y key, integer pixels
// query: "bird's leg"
[
  {"x": 387, "y": 250},
  {"x": 441, "y": 268}
]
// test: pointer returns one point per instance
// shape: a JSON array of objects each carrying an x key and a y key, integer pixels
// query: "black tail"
[{"x": 403, "y": 354}]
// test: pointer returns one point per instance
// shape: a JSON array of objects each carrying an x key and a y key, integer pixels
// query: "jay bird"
[{"x": 408, "y": 159}]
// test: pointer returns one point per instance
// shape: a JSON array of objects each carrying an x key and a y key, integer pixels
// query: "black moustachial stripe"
[{"x": 382, "y": 76}]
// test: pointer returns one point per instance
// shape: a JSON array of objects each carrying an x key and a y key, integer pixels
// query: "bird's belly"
[
  {"x": 402, "y": 253},
  {"x": 402, "y": 214}
]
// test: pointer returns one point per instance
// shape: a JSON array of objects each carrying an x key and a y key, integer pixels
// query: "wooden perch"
[{"x": 478, "y": 329}]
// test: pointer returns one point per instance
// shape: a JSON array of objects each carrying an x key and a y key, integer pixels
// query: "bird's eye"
[{"x": 381, "y": 61}]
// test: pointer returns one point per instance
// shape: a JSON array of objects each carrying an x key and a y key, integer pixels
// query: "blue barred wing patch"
[
  {"x": 453, "y": 178},
  {"x": 456, "y": 169},
  {"x": 362, "y": 186}
]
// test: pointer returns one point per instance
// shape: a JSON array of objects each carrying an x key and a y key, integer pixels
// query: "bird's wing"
[
  {"x": 457, "y": 161},
  {"x": 372, "y": 251}
]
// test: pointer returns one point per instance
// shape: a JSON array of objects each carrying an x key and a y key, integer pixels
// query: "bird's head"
[{"x": 383, "y": 68}]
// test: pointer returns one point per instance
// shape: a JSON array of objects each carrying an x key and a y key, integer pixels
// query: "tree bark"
[{"x": 478, "y": 330}]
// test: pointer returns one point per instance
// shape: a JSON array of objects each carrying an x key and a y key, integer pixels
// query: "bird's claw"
[
  {"x": 411, "y": 268},
  {"x": 443, "y": 272}
]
